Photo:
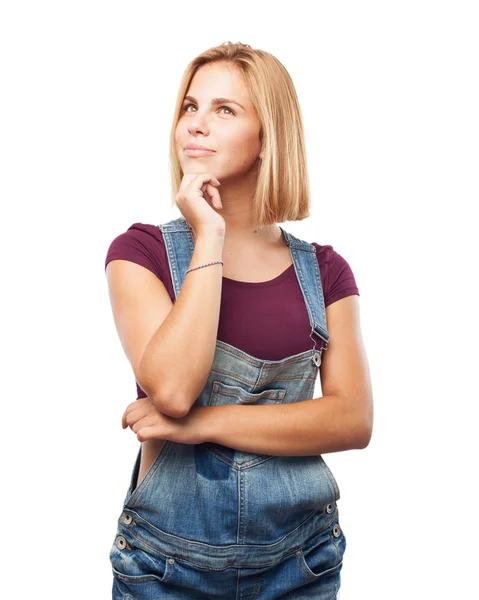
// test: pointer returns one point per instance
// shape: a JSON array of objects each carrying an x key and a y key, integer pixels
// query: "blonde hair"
[{"x": 282, "y": 189}]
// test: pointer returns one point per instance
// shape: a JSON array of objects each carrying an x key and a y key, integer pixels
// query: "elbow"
[
  {"x": 362, "y": 441},
  {"x": 364, "y": 419},
  {"x": 363, "y": 435},
  {"x": 170, "y": 405}
]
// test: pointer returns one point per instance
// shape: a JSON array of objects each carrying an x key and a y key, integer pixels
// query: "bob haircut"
[{"x": 282, "y": 190}]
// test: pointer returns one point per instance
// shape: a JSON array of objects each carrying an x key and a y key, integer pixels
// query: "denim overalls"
[{"x": 208, "y": 521}]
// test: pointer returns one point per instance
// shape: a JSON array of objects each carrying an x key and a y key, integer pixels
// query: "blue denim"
[{"x": 208, "y": 521}]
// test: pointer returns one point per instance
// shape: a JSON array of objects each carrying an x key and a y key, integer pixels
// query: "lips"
[
  {"x": 198, "y": 152},
  {"x": 197, "y": 147}
]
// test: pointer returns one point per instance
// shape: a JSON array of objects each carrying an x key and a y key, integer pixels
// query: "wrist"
[
  {"x": 207, "y": 422},
  {"x": 211, "y": 236}
]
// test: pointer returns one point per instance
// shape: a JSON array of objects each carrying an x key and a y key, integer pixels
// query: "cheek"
[
  {"x": 242, "y": 148},
  {"x": 180, "y": 132}
]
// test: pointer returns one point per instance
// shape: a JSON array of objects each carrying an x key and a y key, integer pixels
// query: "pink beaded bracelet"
[{"x": 215, "y": 262}]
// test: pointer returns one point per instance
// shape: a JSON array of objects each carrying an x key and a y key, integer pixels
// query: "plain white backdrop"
[{"x": 389, "y": 94}]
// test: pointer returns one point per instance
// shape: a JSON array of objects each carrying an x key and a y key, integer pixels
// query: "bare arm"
[
  {"x": 178, "y": 359},
  {"x": 170, "y": 346}
]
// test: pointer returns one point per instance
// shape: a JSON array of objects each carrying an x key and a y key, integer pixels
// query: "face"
[{"x": 232, "y": 131}]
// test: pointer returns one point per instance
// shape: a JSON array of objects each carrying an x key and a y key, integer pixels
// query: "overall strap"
[
  {"x": 309, "y": 278},
  {"x": 179, "y": 245}
]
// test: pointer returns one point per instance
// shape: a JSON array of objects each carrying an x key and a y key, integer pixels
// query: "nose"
[
  {"x": 198, "y": 125},
  {"x": 198, "y": 128}
]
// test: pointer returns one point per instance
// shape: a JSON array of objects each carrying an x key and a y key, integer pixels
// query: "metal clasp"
[{"x": 317, "y": 355}]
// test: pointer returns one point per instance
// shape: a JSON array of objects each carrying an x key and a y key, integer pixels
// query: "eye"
[{"x": 227, "y": 108}]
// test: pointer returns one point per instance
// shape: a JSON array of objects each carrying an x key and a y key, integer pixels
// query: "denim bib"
[{"x": 219, "y": 505}]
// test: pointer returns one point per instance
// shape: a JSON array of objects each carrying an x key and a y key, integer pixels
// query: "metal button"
[
  {"x": 336, "y": 531},
  {"x": 171, "y": 561},
  {"x": 126, "y": 518},
  {"x": 317, "y": 358},
  {"x": 120, "y": 542},
  {"x": 330, "y": 508}
]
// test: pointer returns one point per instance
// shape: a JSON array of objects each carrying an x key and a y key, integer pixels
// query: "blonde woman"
[{"x": 227, "y": 319}]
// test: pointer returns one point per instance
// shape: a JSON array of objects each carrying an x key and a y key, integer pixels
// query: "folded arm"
[{"x": 341, "y": 419}]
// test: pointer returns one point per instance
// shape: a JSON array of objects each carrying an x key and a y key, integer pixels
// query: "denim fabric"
[{"x": 208, "y": 521}]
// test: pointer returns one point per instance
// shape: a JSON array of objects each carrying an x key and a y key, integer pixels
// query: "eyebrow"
[{"x": 216, "y": 101}]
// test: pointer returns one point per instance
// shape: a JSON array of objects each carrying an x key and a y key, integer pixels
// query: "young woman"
[{"x": 227, "y": 319}]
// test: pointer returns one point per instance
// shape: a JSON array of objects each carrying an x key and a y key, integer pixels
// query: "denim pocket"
[
  {"x": 133, "y": 565},
  {"x": 223, "y": 393},
  {"x": 322, "y": 555},
  {"x": 226, "y": 394}
]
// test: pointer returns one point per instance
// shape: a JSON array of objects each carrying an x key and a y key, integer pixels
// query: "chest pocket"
[{"x": 225, "y": 394}]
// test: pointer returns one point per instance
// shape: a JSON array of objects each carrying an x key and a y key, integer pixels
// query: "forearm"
[
  {"x": 307, "y": 428},
  {"x": 178, "y": 358}
]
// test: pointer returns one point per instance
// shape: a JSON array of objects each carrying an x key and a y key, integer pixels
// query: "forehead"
[{"x": 219, "y": 80}]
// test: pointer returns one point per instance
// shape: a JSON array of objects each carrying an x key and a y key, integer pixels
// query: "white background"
[{"x": 389, "y": 94}]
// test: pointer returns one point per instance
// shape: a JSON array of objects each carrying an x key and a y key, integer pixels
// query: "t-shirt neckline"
[{"x": 260, "y": 284}]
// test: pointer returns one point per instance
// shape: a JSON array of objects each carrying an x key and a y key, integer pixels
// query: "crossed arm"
[{"x": 341, "y": 419}]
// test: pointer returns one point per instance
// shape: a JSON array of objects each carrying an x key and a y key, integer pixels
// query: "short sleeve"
[
  {"x": 142, "y": 244},
  {"x": 337, "y": 277}
]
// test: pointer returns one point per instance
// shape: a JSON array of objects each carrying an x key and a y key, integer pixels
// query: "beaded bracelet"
[{"x": 205, "y": 265}]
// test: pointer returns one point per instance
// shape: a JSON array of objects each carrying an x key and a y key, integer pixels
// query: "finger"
[
  {"x": 149, "y": 433},
  {"x": 205, "y": 178},
  {"x": 145, "y": 420},
  {"x": 215, "y": 196},
  {"x": 124, "y": 422},
  {"x": 135, "y": 412},
  {"x": 187, "y": 179}
]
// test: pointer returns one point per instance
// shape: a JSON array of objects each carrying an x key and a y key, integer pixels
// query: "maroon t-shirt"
[{"x": 268, "y": 319}]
